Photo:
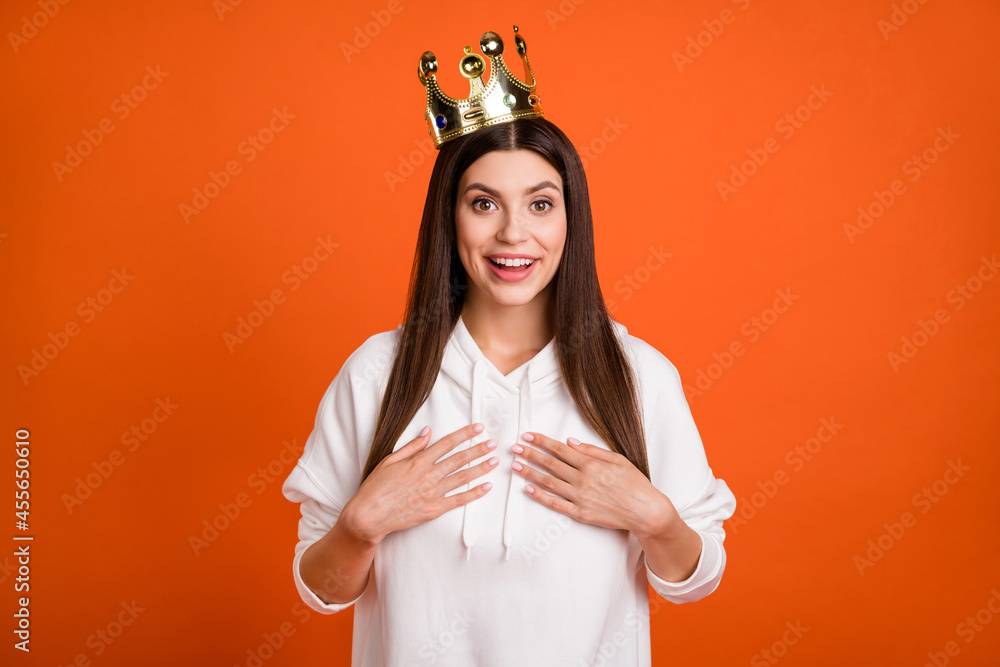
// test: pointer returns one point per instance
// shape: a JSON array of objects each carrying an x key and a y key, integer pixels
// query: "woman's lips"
[{"x": 511, "y": 275}]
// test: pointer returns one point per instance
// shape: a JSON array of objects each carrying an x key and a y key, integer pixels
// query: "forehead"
[{"x": 513, "y": 170}]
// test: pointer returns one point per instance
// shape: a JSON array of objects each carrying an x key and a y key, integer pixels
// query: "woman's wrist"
[
  {"x": 335, "y": 568},
  {"x": 353, "y": 528},
  {"x": 662, "y": 522}
]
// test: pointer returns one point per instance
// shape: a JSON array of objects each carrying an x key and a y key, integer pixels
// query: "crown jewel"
[{"x": 501, "y": 100}]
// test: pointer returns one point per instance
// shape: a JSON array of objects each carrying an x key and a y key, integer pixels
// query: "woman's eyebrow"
[{"x": 490, "y": 191}]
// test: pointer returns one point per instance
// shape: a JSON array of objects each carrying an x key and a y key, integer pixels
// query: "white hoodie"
[{"x": 504, "y": 581}]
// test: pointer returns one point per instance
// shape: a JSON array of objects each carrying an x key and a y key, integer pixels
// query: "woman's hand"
[
  {"x": 407, "y": 487},
  {"x": 595, "y": 486}
]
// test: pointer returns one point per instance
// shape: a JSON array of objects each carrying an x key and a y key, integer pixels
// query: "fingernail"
[
  {"x": 573, "y": 441},
  {"x": 487, "y": 486},
  {"x": 424, "y": 431},
  {"x": 516, "y": 466},
  {"x": 517, "y": 449},
  {"x": 527, "y": 437},
  {"x": 529, "y": 488},
  {"x": 478, "y": 428},
  {"x": 491, "y": 444},
  {"x": 495, "y": 460}
]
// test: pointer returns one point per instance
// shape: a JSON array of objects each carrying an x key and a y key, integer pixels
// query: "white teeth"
[{"x": 512, "y": 262}]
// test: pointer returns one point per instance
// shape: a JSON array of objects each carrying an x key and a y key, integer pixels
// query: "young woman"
[{"x": 499, "y": 479}]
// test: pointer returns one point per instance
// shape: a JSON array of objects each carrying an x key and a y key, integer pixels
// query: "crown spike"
[
  {"x": 472, "y": 68},
  {"x": 491, "y": 44},
  {"x": 500, "y": 100},
  {"x": 522, "y": 50},
  {"x": 427, "y": 67},
  {"x": 522, "y": 46}
]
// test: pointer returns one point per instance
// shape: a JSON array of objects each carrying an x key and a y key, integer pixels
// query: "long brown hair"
[{"x": 594, "y": 367}]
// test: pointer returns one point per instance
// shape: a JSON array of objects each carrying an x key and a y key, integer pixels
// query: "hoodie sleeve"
[
  {"x": 679, "y": 468},
  {"x": 328, "y": 473}
]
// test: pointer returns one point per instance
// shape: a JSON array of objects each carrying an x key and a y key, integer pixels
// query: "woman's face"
[{"x": 510, "y": 205}]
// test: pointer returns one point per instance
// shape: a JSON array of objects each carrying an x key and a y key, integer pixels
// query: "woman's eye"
[{"x": 540, "y": 206}]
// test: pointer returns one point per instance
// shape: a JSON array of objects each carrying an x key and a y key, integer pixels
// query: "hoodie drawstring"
[
  {"x": 514, "y": 496},
  {"x": 516, "y": 481},
  {"x": 478, "y": 389}
]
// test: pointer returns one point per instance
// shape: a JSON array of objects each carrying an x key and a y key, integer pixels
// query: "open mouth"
[{"x": 512, "y": 265}]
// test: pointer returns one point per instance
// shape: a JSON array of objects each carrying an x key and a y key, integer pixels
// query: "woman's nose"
[{"x": 513, "y": 227}]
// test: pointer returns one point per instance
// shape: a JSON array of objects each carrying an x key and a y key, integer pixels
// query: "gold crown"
[{"x": 502, "y": 100}]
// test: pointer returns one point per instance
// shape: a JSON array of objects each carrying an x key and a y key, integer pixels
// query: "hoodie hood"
[{"x": 471, "y": 370}]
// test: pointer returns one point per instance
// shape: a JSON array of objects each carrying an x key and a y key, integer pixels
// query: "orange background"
[{"x": 676, "y": 132}]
